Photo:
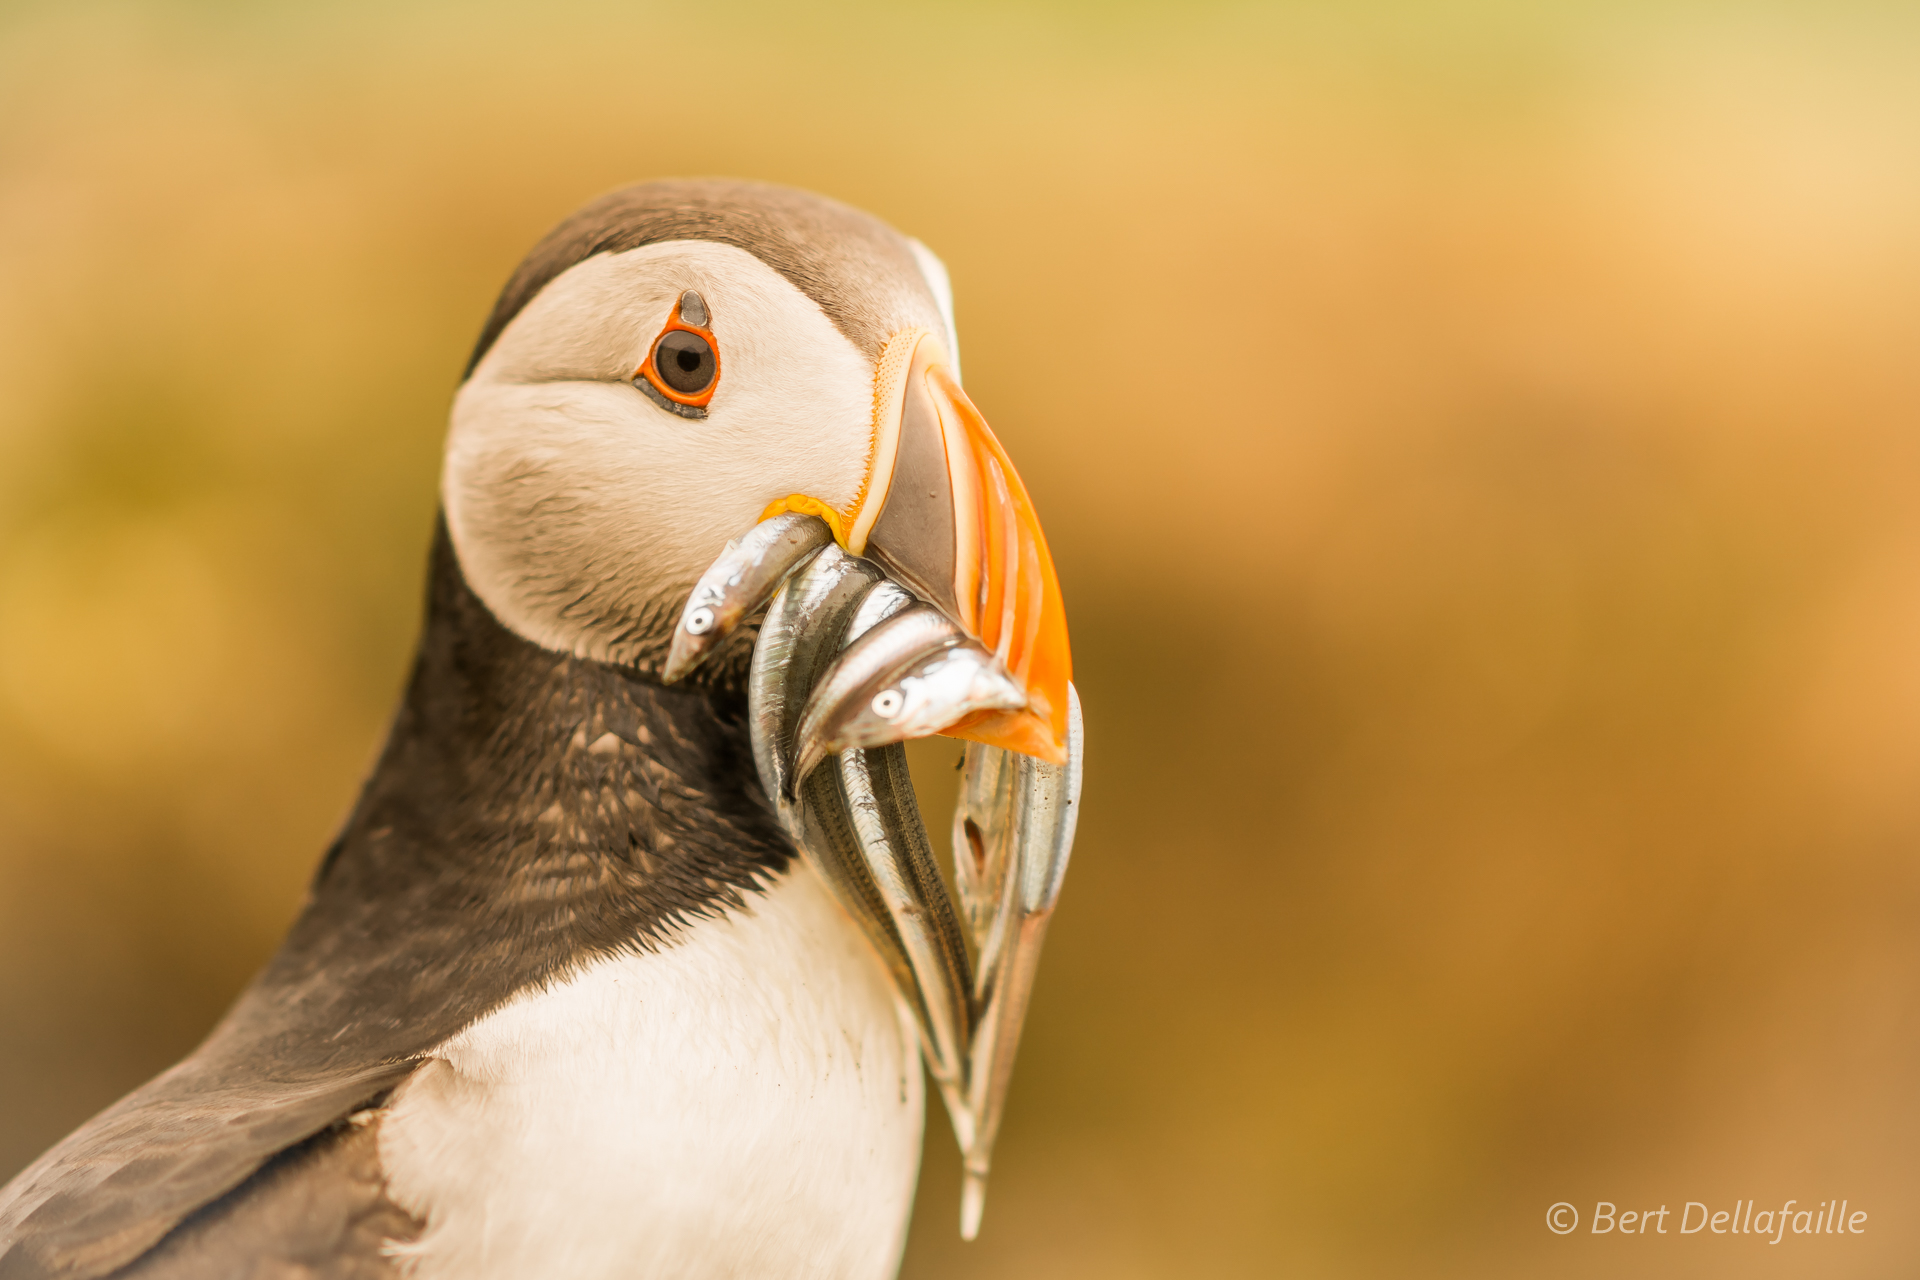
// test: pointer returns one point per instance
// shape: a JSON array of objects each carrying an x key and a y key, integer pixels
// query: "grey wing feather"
[
  {"x": 317, "y": 1211},
  {"x": 121, "y": 1182}
]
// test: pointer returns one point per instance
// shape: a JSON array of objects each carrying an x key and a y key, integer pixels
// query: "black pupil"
[{"x": 685, "y": 362}]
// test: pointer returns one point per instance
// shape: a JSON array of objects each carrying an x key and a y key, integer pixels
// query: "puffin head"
[{"x": 679, "y": 360}]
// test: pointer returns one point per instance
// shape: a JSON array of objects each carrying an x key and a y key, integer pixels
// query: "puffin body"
[{"x": 565, "y": 1000}]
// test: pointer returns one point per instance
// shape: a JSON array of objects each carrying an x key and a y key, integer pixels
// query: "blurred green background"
[{"x": 1481, "y": 447}]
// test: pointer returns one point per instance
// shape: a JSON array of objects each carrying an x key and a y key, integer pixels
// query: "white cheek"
[
  {"x": 575, "y": 507},
  {"x": 793, "y": 426},
  {"x": 565, "y": 454},
  {"x": 550, "y": 492}
]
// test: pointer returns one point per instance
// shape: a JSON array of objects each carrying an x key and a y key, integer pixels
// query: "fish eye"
[
  {"x": 684, "y": 360},
  {"x": 683, "y": 368},
  {"x": 887, "y": 703}
]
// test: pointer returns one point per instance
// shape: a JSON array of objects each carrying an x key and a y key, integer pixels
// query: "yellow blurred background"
[{"x": 1481, "y": 446}]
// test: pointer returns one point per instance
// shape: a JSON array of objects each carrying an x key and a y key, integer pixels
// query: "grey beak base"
[{"x": 914, "y": 538}]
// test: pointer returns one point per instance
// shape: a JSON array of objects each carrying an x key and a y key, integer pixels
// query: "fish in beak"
[{"x": 929, "y": 605}]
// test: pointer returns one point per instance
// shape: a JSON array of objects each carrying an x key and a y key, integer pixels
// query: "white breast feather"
[{"x": 745, "y": 1102}]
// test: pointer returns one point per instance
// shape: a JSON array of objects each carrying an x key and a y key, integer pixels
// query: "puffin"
[{"x": 573, "y": 993}]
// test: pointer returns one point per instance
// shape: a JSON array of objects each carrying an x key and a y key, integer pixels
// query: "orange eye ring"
[{"x": 690, "y": 404}]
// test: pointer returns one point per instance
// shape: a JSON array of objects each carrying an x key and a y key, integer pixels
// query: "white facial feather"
[
  {"x": 582, "y": 511},
  {"x": 745, "y": 1102}
]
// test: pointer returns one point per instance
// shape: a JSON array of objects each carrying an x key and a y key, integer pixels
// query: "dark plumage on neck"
[{"x": 531, "y": 812}]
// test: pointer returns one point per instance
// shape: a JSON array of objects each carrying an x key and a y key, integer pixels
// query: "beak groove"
[{"x": 957, "y": 526}]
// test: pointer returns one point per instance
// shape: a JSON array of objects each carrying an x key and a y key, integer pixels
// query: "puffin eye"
[
  {"x": 682, "y": 370},
  {"x": 684, "y": 361}
]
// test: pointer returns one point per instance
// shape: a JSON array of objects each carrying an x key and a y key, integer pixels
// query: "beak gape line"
[{"x": 953, "y": 625}]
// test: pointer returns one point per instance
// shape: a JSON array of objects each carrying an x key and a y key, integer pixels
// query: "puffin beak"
[
  {"x": 848, "y": 659},
  {"x": 943, "y": 510}
]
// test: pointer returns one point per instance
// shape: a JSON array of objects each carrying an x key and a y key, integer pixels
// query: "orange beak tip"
[{"x": 1021, "y": 731}]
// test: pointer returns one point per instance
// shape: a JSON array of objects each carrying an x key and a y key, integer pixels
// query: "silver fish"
[
  {"x": 859, "y": 823},
  {"x": 1012, "y": 836},
  {"x": 838, "y": 634},
  {"x": 886, "y": 599},
  {"x": 799, "y": 637},
  {"x": 912, "y": 675},
  {"x": 893, "y": 844},
  {"x": 737, "y": 583}
]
